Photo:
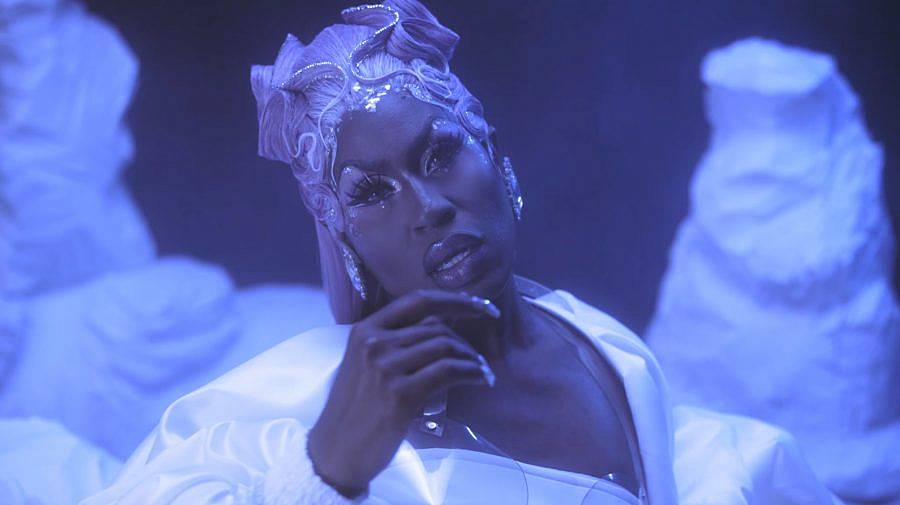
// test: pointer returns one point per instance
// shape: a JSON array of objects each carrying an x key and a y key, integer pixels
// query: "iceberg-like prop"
[
  {"x": 272, "y": 313},
  {"x": 777, "y": 302},
  {"x": 106, "y": 357},
  {"x": 42, "y": 463},
  {"x": 95, "y": 331},
  {"x": 66, "y": 79}
]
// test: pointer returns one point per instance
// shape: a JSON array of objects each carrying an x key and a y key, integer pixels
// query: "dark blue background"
[{"x": 598, "y": 104}]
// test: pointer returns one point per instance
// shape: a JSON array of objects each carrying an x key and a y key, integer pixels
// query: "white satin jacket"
[{"x": 241, "y": 438}]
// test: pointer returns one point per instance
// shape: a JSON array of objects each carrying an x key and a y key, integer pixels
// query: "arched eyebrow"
[
  {"x": 413, "y": 155},
  {"x": 368, "y": 167},
  {"x": 421, "y": 142}
]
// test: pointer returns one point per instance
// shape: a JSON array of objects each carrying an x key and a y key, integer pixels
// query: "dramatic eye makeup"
[
  {"x": 444, "y": 143},
  {"x": 363, "y": 188}
]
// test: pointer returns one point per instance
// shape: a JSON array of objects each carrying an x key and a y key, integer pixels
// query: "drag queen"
[{"x": 448, "y": 379}]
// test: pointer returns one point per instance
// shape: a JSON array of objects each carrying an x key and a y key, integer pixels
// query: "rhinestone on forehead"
[{"x": 367, "y": 97}]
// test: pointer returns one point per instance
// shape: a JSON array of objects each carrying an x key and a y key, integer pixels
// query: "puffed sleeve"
[
  {"x": 240, "y": 439},
  {"x": 232, "y": 462},
  {"x": 734, "y": 460}
]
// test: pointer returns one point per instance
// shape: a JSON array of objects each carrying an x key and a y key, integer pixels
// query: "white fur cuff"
[{"x": 292, "y": 480}]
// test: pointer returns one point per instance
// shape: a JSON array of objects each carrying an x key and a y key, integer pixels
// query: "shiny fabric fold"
[{"x": 219, "y": 443}]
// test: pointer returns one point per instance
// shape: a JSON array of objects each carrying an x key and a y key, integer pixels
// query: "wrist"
[
  {"x": 347, "y": 491},
  {"x": 330, "y": 471},
  {"x": 292, "y": 480}
]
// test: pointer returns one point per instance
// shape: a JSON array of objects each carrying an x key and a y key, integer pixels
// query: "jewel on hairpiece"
[
  {"x": 416, "y": 91},
  {"x": 352, "y": 15},
  {"x": 304, "y": 77}
]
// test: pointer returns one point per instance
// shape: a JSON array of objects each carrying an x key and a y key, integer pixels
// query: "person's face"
[{"x": 408, "y": 176}]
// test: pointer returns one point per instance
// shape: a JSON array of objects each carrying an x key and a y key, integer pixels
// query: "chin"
[{"x": 492, "y": 283}]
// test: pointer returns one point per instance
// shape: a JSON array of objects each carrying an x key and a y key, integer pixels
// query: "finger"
[
  {"x": 414, "y": 306},
  {"x": 441, "y": 375},
  {"x": 386, "y": 340},
  {"x": 430, "y": 319},
  {"x": 411, "y": 335},
  {"x": 411, "y": 359},
  {"x": 446, "y": 319}
]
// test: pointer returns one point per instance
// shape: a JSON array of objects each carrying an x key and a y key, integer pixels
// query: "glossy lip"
[
  {"x": 446, "y": 248},
  {"x": 464, "y": 272}
]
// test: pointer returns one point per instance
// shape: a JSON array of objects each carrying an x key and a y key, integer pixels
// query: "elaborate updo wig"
[{"x": 398, "y": 46}]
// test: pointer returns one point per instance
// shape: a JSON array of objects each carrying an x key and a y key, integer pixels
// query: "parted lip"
[{"x": 446, "y": 248}]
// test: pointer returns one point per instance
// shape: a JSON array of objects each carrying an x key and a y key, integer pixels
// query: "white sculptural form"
[
  {"x": 96, "y": 332},
  {"x": 66, "y": 80},
  {"x": 41, "y": 463},
  {"x": 777, "y": 302}
]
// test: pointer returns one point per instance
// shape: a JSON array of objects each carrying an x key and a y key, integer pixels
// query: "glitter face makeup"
[
  {"x": 410, "y": 174},
  {"x": 365, "y": 190}
]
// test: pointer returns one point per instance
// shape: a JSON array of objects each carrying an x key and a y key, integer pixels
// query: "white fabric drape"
[{"x": 233, "y": 440}]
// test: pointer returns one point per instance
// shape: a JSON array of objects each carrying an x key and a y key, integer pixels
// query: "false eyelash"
[
  {"x": 447, "y": 145},
  {"x": 365, "y": 187}
]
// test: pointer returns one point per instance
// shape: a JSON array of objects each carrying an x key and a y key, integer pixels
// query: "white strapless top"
[{"x": 460, "y": 476}]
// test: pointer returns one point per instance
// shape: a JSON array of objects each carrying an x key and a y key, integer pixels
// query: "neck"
[{"x": 514, "y": 329}]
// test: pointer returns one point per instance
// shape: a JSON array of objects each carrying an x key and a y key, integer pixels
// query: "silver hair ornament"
[{"x": 426, "y": 77}]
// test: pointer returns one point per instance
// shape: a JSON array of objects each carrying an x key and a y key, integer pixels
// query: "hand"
[{"x": 395, "y": 359}]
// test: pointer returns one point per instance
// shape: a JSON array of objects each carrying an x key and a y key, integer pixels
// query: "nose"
[{"x": 436, "y": 210}]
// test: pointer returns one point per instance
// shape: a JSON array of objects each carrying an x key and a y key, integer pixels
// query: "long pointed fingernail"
[
  {"x": 486, "y": 370},
  {"x": 488, "y": 305}
]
